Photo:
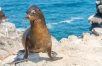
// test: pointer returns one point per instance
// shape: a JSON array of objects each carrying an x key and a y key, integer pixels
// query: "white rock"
[
  {"x": 73, "y": 50},
  {"x": 100, "y": 8},
  {"x": 91, "y": 17},
  {"x": 10, "y": 40},
  {"x": 72, "y": 37},
  {"x": 64, "y": 41},
  {"x": 86, "y": 36},
  {"x": 97, "y": 31}
]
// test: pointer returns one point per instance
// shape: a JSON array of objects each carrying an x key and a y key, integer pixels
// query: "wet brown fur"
[
  {"x": 2, "y": 15},
  {"x": 37, "y": 37}
]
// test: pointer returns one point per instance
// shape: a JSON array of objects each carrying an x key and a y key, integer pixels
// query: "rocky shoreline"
[{"x": 75, "y": 51}]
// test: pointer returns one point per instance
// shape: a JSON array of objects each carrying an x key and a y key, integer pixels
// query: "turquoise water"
[{"x": 63, "y": 17}]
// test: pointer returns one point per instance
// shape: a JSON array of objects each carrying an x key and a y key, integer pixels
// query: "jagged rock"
[
  {"x": 98, "y": 2},
  {"x": 72, "y": 37},
  {"x": 54, "y": 41},
  {"x": 97, "y": 18},
  {"x": 10, "y": 40},
  {"x": 86, "y": 53},
  {"x": 86, "y": 36},
  {"x": 97, "y": 31},
  {"x": 73, "y": 54},
  {"x": 75, "y": 51},
  {"x": 64, "y": 40},
  {"x": 100, "y": 8}
]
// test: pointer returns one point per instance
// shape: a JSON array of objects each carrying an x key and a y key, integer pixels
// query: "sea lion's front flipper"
[
  {"x": 52, "y": 55},
  {"x": 26, "y": 48},
  {"x": 25, "y": 58}
]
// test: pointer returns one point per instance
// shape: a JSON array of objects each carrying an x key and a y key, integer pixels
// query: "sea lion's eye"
[{"x": 33, "y": 12}]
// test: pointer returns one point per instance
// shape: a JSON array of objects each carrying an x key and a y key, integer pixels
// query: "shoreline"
[{"x": 23, "y": 29}]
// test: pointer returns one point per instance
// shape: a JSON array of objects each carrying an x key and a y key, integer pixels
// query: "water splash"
[{"x": 72, "y": 19}]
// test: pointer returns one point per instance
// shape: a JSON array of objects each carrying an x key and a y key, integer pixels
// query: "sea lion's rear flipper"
[{"x": 52, "y": 55}]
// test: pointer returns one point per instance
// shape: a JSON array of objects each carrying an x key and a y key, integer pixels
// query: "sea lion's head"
[
  {"x": 34, "y": 13},
  {"x": 2, "y": 15}
]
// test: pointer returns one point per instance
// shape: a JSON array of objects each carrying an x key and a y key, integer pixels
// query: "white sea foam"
[
  {"x": 91, "y": 17},
  {"x": 68, "y": 20},
  {"x": 71, "y": 19},
  {"x": 51, "y": 25},
  {"x": 0, "y": 8},
  {"x": 21, "y": 29}
]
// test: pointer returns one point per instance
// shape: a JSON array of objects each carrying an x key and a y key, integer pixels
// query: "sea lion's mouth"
[{"x": 29, "y": 17}]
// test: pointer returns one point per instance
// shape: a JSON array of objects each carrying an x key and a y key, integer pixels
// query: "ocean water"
[{"x": 63, "y": 17}]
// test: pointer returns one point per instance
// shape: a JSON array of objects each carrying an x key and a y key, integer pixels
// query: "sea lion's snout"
[{"x": 27, "y": 16}]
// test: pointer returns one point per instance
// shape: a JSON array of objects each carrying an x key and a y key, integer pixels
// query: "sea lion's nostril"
[{"x": 27, "y": 17}]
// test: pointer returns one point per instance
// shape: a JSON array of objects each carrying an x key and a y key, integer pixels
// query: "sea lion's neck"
[{"x": 38, "y": 24}]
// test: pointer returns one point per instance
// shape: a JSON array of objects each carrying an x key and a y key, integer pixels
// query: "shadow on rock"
[{"x": 33, "y": 57}]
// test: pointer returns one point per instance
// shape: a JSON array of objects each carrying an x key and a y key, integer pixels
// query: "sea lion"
[
  {"x": 2, "y": 15},
  {"x": 37, "y": 38}
]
